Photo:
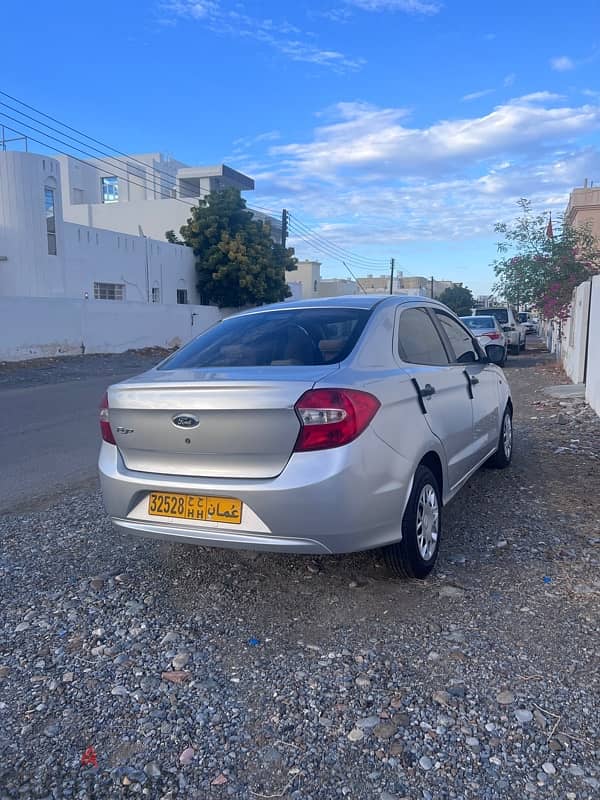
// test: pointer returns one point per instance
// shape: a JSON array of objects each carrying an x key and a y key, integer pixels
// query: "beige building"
[
  {"x": 584, "y": 208},
  {"x": 308, "y": 275},
  {"x": 306, "y": 283},
  {"x": 338, "y": 287},
  {"x": 417, "y": 284}
]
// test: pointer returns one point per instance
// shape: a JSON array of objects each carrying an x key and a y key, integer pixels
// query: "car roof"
[{"x": 365, "y": 301}]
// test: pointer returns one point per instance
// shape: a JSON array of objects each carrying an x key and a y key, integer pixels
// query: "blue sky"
[{"x": 400, "y": 128}]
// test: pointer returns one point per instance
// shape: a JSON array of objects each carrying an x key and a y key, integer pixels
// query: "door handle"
[
  {"x": 473, "y": 380},
  {"x": 427, "y": 390},
  {"x": 470, "y": 382}
]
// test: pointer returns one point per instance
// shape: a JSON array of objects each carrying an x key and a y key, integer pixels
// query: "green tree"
[
  {"x": 237, "y": 261},
  {"x": 459, "y": 299},
  {"x": 541, "y": 264}
]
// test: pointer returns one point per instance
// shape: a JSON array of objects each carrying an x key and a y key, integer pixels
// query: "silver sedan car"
[{"x": 323, "y": 426}]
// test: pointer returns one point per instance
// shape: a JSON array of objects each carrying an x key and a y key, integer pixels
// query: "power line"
[
  {"x": 75, "y": 130},
  {"x": 374, "y": 262},
  {"x": 151, "y": 180},
  {"x": 325, "y": 249},
  {"x": 320, "y": 248},
  {"x": 355, "y": 278}
]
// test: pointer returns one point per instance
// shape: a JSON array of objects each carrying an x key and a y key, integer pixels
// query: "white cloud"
[
  {"x": 510, "y": 79},
  {"x": 373, "y": 141},
  {"x": 477, "y": 95},
  {"x": 562, "y": 63},
  {"x": 287, "y": 39},
  {"x": 408, "y": 6},
  {"x": 367, "y": 179},
  {"x": 539, "y": 97}
]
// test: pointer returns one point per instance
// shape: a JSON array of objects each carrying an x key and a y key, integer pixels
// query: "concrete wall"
[
  {"x": 592, "y": 383},
  {"x": 573, "y": 349},
  {"x": 38, "y": 327}
]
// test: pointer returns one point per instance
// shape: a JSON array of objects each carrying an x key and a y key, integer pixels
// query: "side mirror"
[
  {"x": 495, "y": 353},
  {"x": 507, "y": 328}
]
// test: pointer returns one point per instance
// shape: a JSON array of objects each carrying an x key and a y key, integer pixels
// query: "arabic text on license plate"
[{"x": 190, "y": 506}]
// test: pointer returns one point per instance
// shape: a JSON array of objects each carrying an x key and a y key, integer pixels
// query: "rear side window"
[
  {"x": 501, "y": 314},
  {"x": 460, "y": 340},
  {"x": 418, "y": 339},
  {"x": 294, "y": 337}
]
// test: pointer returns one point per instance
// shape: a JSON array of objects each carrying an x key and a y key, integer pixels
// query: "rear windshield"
[
  {"x": 294, "y": 337},
  {"x": 523, "y": 316},
  {"x": 501, "y": 314},
  {"x": 479, "y": 323}
]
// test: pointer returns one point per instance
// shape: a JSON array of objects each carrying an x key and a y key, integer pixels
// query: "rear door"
[
  {"x": 441, "y": 387},
  {"x": 482, "y": 383}
]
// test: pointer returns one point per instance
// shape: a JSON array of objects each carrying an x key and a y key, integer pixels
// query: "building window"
[
  {"x": 109, "y": 291},
  {"x": 50, "y": 219},
  {"x": 182, "y": 296},
  {"x": 110, "y": 189},
  {"x": 156, "y": 294}
]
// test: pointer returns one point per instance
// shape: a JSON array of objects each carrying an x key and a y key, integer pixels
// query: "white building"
[
  {"x": 43, "y": 254},
  {"x": 140, "y": 195},
  {"x": 96, "y": 229}
]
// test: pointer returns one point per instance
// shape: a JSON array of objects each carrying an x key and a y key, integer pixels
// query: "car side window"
[
  {"x": 461, "y": 341},
  {"x": 418, "y": 340}
]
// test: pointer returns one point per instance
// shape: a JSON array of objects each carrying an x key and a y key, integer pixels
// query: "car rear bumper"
[{"x": 335, "y": 501}]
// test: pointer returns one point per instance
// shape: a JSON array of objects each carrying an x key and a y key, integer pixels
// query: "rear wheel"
[
  {"x": 414, "y": 556},
  {"x": 503, "y": 455}
]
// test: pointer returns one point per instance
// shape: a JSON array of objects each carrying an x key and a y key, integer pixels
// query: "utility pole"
[
  {"x": 284, "y": 226},
  {"x": 392, "y": 264},
  {"x": 432, "y": 287}
]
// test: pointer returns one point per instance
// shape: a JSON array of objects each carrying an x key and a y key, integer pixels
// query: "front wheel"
[
  {"x": 503, "y": 455},
  {"x": 414, "y": 556}
]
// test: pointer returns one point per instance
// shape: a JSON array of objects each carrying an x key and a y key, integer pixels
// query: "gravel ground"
[{"x": 197, "y": 673}]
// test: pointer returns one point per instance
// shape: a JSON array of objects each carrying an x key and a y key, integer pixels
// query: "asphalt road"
[
  {"x": 49, "y": 440},
  {"x": 49, "y": 433}
]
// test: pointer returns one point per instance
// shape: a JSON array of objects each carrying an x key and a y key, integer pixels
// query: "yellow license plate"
[{"x": 191, "y": 506}]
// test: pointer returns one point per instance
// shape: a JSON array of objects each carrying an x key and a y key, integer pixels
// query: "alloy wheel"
[{"x": 427, "y": 522}]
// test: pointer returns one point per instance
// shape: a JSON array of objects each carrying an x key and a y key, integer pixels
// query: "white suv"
[{"x": 509, "y": 320}]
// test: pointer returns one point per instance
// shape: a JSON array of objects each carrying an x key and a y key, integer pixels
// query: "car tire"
[
  {"x": 524, "y": 345},
  {"x": 414, "y": 556},
  {"x": 503, "y": 455}
]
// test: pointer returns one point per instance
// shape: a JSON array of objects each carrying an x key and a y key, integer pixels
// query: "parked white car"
[
  {"x": 509, "y": 320},
  {"x": 488, "y": 331}
]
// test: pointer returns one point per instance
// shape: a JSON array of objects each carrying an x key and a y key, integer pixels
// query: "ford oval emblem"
[{"x": 186, "y": 421}]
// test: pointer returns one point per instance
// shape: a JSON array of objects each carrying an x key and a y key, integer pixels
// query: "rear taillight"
[
  {"x": 333, "y": 417},
  {"x": 105, "y": 428},
  {"x": 493, "y": 335}
]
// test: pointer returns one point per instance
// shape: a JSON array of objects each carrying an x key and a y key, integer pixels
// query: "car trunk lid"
[{"x": 218, "y": 423}]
